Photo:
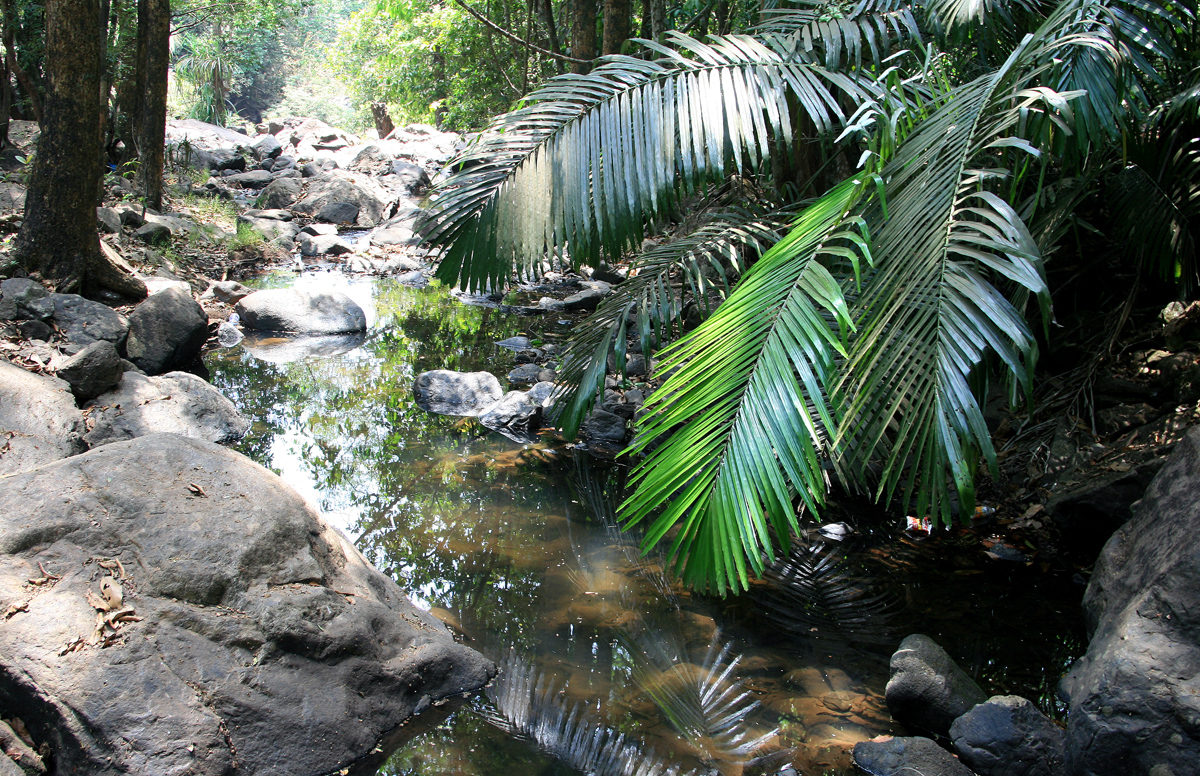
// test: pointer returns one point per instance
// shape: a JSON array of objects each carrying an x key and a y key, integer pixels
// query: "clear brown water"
[{"x": 609, "y": 665}]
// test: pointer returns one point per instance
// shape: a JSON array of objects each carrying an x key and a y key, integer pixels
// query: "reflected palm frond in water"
[
  {"x": 528, "y": 704},
  {"x": 814, "y": 594}
]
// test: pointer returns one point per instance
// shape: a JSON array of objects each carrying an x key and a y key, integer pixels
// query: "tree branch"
[{"x": 515, "y": 39}]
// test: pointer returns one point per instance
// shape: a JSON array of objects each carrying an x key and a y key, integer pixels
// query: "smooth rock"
[
  {"x": 587, "y": 299},
  {"x": 316, "y": 230},
  {"x": 301, "y": 312},
  {"x": 228, "y": 334},
  {"x": 907, "y": 756},
  {"x": 176, "y": 403},
  {"x": 108, "y": 220},
  {"x": 604, "y": 427},
  {"x": 92, "y": 371},
  {"x": 514, "y": 415},
  {"x": 166, "y": 331},
  {"x": 153, "y": 234},
  {"x": 39, "y": 420},
  {"x": 456, "y": 393},
  {"x": 1008, "y": 736},
  {"x": 254, "y": 179},
  {"x": 515, "y": 343},
  {"x": 277, "y": 349},
  {"x": 541, "y": 393},
  {"x": 1134, "y": 697},
  {"x": 400, "y": 229},
  {"x": 927, "y": 690},
  {"x": 337, "y": 213},
  {"x": 266, "y": 643},
  {"x": 324, "y": 245},
  {"x": 278, "y": 232},
  {"x": 230, "y": 291},
  {"x": 275, "y": 214}
]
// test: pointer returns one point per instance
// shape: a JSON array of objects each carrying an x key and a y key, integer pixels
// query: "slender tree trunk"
[
  {"x": 722, "y": 17},
  {"x": 617, "y": 24},
  {"x": 154, "y": 36},
  {"x": 658, "y": 19},
  {"x": 546, "y": 11},
  {"x": 6, "y": 87},
  {"x": 11, "y": 64},
  {"x": 583, "y": 33},
  {"x": 58, "y": 237},
  {"x": 383, "y": 122}
]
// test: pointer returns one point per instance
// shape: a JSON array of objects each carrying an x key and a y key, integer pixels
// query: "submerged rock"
[
  {"x": 446, "y": 392},
  {"x": 301, "y": 312},
  {"x": 927, "y": 689},
  {"x": 248, "y": 635},
  {"x": 515, "y": 416},
  {"x": 905, "y": 756},
  {"x": 176, "y": 403},
  {"x": 1135, "y": 695}
]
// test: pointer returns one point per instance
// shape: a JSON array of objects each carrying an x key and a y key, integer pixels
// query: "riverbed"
[{"x": 606, "y": 661}]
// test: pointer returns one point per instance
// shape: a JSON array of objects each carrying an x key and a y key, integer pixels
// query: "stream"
[{"x": 608, "y": 665}]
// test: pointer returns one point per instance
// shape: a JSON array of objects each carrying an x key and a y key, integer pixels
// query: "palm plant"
[{"x": 859, "y": 342}]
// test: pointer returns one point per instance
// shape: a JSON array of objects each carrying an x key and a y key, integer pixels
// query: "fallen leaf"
[{"x": 199, "y": 491}]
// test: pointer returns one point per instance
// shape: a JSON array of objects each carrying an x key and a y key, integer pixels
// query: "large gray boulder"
[
  {"x": 907, "y": 756},
  {"x": 39, "y": 421},
  {"x": 301, "y": 312},
  {"x": 274, "y": 230},
  {"x": 375, "y": 203},
  {"x": 166, "y": 331},
  {"x": 456, "y": 393},
  {"x": 399, "y": 229},
  {"x": 254, "y": 179},
  {"x": 1008, "y": 736},
  {"x": 1135, "y": 695},
  {"x": 83, "y": 322},
  {"x": 177, "y": 403},
  {"x": 279, "y": 193},
  {"x": 250, "y": 637},
  {"x": 926, "y": 689}
]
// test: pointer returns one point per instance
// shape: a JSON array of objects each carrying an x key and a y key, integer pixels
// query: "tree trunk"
[
  {"x": 383, "y": 122},
  {"x": 14, "y": 67},
  {"x": 658, "y": 19},
  {"x": 617, "y": 24},
  {"x": 58, "y": 237},
  {"x": 154, "y": 49},
  {"x": 546, "y": 11},
  {"x": 583, "y": 33},
  {"x": 6, "y": 87}
]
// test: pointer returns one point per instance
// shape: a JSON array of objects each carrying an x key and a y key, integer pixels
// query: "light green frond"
[
  {"x": 746, "y": 408},
  {"x": 590, "y": 159},
  {"x": 868, "y": 31},
  {"x": 702, "y": 264}
]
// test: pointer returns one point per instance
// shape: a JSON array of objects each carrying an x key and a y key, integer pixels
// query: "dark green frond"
[
  {"x": 590, "y": 159},
  {"x": 746, "y": 410}
]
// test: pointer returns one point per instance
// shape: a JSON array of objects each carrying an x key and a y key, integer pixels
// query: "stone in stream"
[
  {"x": 456, "y": 393},
  {"x": 1008, "y": 736},
  {"x": 279, "y": 193},
  {"x": 515, "y": 415},
  {"x": 324, "y": 245},
  {"x": 230, "y": 291},
  {"x": 927, "y": 690},
  {"x": 246, "y": 635},
  {"x": 166, "y": 331},
  {"x": 176, "y": 403},
  {"x": 525, "y": 374},
  {"x": 39, "y": 420},
  {"x": 541, "y": 393},
  {"x": 907, "y": 756},
  {"x": 515, "y": 343},
  {"x": 301, "y": 312},
  {"x": 1135, "y": 695}
]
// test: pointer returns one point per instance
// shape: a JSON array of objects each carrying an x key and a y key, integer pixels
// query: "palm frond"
[
  {"x": 955, "y": 14},
  {"x": 746, "y": 408},
  {"x": 930, "y": 313},
  {"x": 590, "y": 159},
  {"x": 699, "y": 265},
  {"x": 819, "y": 28}
]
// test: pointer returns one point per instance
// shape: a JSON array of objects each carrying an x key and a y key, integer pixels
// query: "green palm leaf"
[
  {"x": 746, "y": 410},
  {"x": 701, "y": 263},
  {"x": 930, "y": 313},
  {"x": 592, "y": 158},
  {"x": 872, "y": 28}
]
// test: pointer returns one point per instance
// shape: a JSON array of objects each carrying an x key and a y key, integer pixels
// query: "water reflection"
[{"x": 517, "y": 549}]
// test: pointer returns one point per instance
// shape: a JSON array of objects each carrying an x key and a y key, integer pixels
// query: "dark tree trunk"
[
  {"x": 383, "y": 122},
  {"x": 583, "y": 33},
  {"x": 154, "y": 43},
  {"x": 6, "y": 87},
  {"x": 617, "y": 24},
  {"x": 546, "y": 11},
  {"x": 58, "y": 238},
  {"x": 12, "y": 66}
]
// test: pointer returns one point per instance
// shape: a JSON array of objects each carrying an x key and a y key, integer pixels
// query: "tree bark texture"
[
  {"x": 154, "y": 51},
  {"x": 383, "y": 121},
  {"x": 618, "y": 15},
  {"x": 58, "y": 237},
  {"x": 583, "y": 33}
]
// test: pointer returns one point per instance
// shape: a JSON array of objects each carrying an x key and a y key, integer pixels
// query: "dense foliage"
[{"x": 940, "y": 151}]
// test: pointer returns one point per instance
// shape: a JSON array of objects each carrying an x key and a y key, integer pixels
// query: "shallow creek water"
[{"x": 607, "y": 665}]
